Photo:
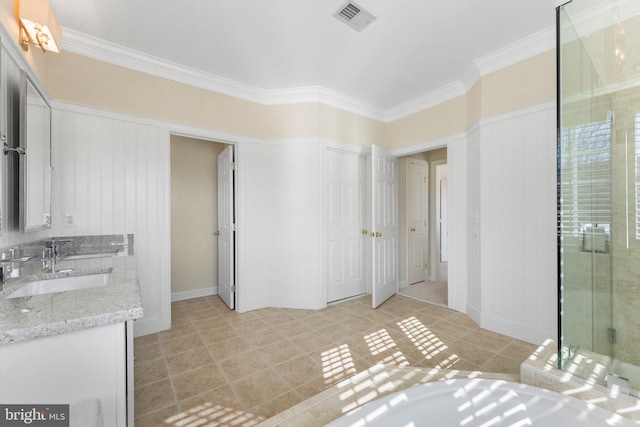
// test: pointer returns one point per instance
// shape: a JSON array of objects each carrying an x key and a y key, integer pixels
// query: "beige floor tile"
[
  {"x": 214, "y": 335},
  {"x": 449, "y": 328},
  {"x": 216, "y": 407},
  {"x": 176, "y": 331},
  {"x": 189, "y": 360},
  {"x": 259, "y": 388},
  {"x": 146, "y": 372},
  {"x": 279, "y": 352},
  {"x": 231, "y": 369},
  {"x": 292, "y": 329},
  {"x": 273, "y": 407},
  {"x": 312, "y": 341},
  {"x": 153, "y": 397},
  {"x": 518, "y": 350},
  {"x": 210, "y": 323},
  {"x": 181, "y": 344},
  {"x": 148, "y": 352},
  {"x": 262, "y": 337},
  {"x": 337, "y": 332},
  {"x": 198, "y": 381},
  {"x": 472, "y": 353},
  {"x": 166, "y": 417},
  {"x": 243, "y": 327},
  {"x": 146, "y": 340},
  {"x": 207, "y": 314},
  {"x": 277, "y": 318},
  {"x": 302, "y": 369},
  {"x": 502, "y": 364},
  {"x": 228, "y": 348},
  {"x": 243, "y": 365},
  {"x": 487, "y": 339}
]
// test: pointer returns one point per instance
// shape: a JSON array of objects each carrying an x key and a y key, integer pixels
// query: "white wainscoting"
[
  {"x": 111, "y": 173},
  {"x": 518, "y": 223},
  {"x": 473, "y": 223}
]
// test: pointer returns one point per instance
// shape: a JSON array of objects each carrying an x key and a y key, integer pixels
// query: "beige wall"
[
  {"x": 529, "y": 82},
  {"x": 194, "y": 213}
]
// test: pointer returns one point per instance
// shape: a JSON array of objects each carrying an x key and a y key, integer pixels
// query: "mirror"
[{"x": 35, "y": 140}]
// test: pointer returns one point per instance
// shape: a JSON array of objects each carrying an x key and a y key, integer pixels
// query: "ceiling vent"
[{"x": 354, "y": 16}]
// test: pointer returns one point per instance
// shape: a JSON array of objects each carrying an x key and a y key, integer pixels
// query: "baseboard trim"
[{"x": 196, "y": 293}]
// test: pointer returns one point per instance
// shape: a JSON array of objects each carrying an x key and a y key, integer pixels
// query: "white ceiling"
[{"x": 413, "y": 48}]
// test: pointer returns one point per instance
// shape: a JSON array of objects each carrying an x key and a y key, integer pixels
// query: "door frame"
[
  {"x": 457, "y": 152},
  {"x": 238, "y": 196},
  {"x": 434, "y": 247}
]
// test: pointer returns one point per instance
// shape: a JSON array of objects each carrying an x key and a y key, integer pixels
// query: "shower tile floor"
[{"x": 216, "y": 367}]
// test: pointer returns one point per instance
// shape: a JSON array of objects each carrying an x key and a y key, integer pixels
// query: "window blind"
[{"x": 585, "y": 176}]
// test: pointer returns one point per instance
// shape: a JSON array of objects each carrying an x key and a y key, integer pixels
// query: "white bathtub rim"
[{"x": 435, "y": 404}]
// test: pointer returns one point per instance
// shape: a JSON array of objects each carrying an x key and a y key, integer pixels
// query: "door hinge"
[
  {"x": 426, "y": 265},
  {"x": 233, "y": 227},
  {"x": 233, "y": 288},
  {"x": 612, "y": 335},
  {"x": 611, "y": 116},
  {"x": 425, "y": 179},
  {"x": 232, "y": 165}
]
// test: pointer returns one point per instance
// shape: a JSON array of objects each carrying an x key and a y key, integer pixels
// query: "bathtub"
[{"x": 478, "y": 402}]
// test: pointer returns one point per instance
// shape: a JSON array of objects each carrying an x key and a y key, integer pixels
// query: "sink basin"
[{"x": 71, "y": 283}]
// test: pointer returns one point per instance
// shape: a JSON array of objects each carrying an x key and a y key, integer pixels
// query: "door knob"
[
  {"x": 413, "y": 229},
  {"x": 364, "y": 231},
  {"x": 378, "y": 234}
]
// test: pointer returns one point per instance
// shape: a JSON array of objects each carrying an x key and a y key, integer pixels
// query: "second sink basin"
[{"x": 62, "y": 284}]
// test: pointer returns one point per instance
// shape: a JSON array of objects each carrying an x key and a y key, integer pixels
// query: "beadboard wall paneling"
[
  {"x": 517, "y": 223},
  {"x": 458, "y": 201},
  {"x": 111, "y": 174},
  {"x": 473, "y": 223}
]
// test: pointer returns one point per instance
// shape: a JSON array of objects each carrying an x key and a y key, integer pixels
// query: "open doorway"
[
  {"x": 423, "y": 227},
  {"x": 194, "y": 217}
]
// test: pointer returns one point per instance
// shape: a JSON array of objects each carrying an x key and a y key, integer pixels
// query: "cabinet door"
[{"x": 69, "y": 369}]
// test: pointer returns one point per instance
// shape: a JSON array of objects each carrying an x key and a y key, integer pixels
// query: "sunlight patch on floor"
[
  {"x": 425, "y": 340},
  {"x": 337, "y": 364}
]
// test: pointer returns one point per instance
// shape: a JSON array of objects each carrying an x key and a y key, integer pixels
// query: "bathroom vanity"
[{"x": 74, "y": 343}]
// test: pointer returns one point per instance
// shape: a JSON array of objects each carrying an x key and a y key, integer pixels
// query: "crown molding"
[
  {"x": 525, "y": 48},
  {"x": 101, "y": 50},
  {"x": 431, "y": 99}
]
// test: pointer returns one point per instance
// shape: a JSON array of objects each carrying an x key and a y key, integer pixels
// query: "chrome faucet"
[{"x": 51, "y": 251}]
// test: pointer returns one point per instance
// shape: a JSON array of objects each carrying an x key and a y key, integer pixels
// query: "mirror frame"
[{"x": 24, "y": 205}]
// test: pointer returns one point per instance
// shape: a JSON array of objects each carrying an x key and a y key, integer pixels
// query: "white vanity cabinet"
[{"x": 72, "y": 367}]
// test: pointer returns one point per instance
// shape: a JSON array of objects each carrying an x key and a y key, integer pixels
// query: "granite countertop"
[{"x": 26, "y": 318}]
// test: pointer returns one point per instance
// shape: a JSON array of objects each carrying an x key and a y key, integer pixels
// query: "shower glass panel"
[{"x": 599, "y": 190}]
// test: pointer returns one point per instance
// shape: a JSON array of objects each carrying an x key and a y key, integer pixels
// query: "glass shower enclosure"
[{"x": 598, "y": 48}]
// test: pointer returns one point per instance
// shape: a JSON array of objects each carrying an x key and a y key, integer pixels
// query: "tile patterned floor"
[
  {"x": 216, "y": 367},
  {"x": 433, "y": 292}
]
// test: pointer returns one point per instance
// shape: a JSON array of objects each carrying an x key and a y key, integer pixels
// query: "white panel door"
[
  {"x": 384, "y": 220},
  {"x": 346, "y": 232},
  {"x": 226, "y": 228},
  {"x": 417, "y": 172}
]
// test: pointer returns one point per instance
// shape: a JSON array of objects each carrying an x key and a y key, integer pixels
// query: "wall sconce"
[{"x": 38, "y": 25}]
